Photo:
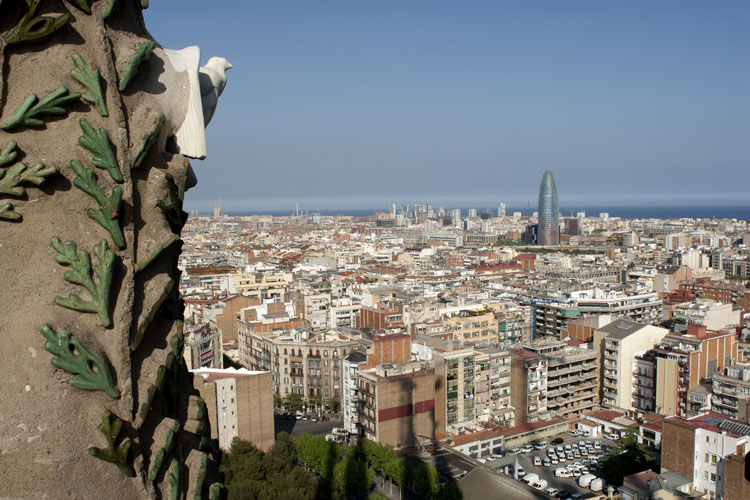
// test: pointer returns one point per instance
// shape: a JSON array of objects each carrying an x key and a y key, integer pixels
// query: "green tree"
[
  {"x": 426, "y": 481},
  {"x": 293, "y": 402},
  {"x": 352, "y": 477},
  {"x": 250, "y": 474},
  {"x": 630, "y": 457},
  {"x": 450, "y": 491}
]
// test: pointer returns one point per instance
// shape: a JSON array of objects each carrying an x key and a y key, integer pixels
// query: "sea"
[{"x": 740, "y": 212}]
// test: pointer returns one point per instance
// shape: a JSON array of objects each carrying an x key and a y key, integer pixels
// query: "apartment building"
[
  {"x": 701, "y": 448},
  {"x": 383, "y": 349},
  {"x": 731, "y": 392},
  {"x": 720, "y": 291},
  {"x": 397, "y": 403},
  {"x": 663, "y": 376},
  {"x": 304, "y": 362},
  {"x": 492, "y": 386},
  {"x": 343, "y": 313},
  {"x": 239, "y": 404},
  {"x": 478, "y": 327},
  {"x": 454, "y": 389},
  {"x": 554, "y": 313},
  {"x": 572, "y": 377},
  {"x": 618, "y": 344},
  {"x": 202, "y": 347},
  {"x": 226, "y": 320},
  {"x": 270, "y": 285},
  {"x": 528, "y": 393},
  {"x": 263, "y": 318}
]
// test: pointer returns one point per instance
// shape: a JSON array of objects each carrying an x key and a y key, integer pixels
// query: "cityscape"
[
  {"x": 505, "y": 350},
  {"x": 392, "y": 250}
]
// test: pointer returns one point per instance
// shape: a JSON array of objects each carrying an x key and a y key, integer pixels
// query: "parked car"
[
  {"x": 563, "y": 494},
  {"x": 546, "y": 462},
  {"x": 612, "y": 436},
  {"x": 540, "y": 445},
  {"x": 576, "y": 496},
  {"x": 537, "y": 460},
  {"x": 554, "y": 461},
  {"x": 552, "y": 491},
  {"x": 540, "y": 485},
  {"x": 557, "y": 441},
  {"x": 598, "y": 445},
  {"x": 520, "y": 472}
]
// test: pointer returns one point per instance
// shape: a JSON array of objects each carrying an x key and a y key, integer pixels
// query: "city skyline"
[{"x": 356, "y": 105}]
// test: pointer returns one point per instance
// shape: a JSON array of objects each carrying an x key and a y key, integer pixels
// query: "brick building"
[
  {"x": 397, "y": 403},
  {"x": 239, "y": 404},
  {"x": 699, "y": 448}
]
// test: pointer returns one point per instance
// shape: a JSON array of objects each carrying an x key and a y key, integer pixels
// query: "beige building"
[
  {"x": 239, "y": 404},
  {"x": 305, "y": 363},
  {"x": 528, "y": 391},
  {"x": 397, "y": 403},
  {"x": 202, "y": 347},
  {"x": 477, "y": 327},
  {"x": 492, "y": 386},
  {"x": 572, "y": 377},
  {"x": 618, "y": 344},
  {"x": 261, "y": 286},
  {"x": 454, "y": 389}
]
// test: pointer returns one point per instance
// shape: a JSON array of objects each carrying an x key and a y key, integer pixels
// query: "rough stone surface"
[{"x": 46, "y": 425}]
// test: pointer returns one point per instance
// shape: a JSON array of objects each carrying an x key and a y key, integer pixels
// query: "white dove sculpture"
[
  {"x": 213, "y": 79},
  {"x": 191, "y": 97}
]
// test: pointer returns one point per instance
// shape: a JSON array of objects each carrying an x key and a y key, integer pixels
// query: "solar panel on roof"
[{"x": 735, "y": 427}]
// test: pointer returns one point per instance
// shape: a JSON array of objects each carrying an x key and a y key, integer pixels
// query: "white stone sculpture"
[
  {"x": 213, "y": 79},
  {"x": 200, "y": 87}
]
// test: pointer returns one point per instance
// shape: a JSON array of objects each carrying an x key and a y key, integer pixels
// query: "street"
[{"x": 297, "y": 427}]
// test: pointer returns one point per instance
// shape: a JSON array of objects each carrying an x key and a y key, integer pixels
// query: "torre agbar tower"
[{"x": 549, "y": 218}]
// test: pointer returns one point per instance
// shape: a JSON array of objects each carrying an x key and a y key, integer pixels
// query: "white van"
[
  {"x": 597, "y": 484},
  {"x": 562, "y": 472},
  {"x": 531, "y": 477},
  {"x": 540, "y": 485},
  {"x": 585, "y": 480}
]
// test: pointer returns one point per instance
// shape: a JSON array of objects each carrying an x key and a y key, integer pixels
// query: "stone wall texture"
[{"x": 97, "y": 403}]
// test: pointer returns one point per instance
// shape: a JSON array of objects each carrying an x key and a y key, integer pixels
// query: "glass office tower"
[{"x": 549, "y": 217}]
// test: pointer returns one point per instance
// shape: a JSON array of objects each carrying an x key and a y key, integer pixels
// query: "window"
[
  {"x": 713, "y": 477},
  {"x": 706, "y": 458},
  {"x": 705, "y": 474}
]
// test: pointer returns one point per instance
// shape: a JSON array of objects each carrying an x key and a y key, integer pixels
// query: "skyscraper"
[{"x": 549, "y": 217}]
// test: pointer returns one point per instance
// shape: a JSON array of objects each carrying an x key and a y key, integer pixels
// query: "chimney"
[{"x": 696, "y": 330}]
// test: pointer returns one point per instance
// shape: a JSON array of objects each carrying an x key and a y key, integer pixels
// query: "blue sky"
[{"x": 354, "y": 104}]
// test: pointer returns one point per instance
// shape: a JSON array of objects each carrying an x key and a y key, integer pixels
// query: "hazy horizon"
[{"x": 367, "y": 103}]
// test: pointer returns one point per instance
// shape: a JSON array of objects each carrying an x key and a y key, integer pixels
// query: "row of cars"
[
  {"x": 533, "y": 480},
  {"x": 571, "y": 452}
]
